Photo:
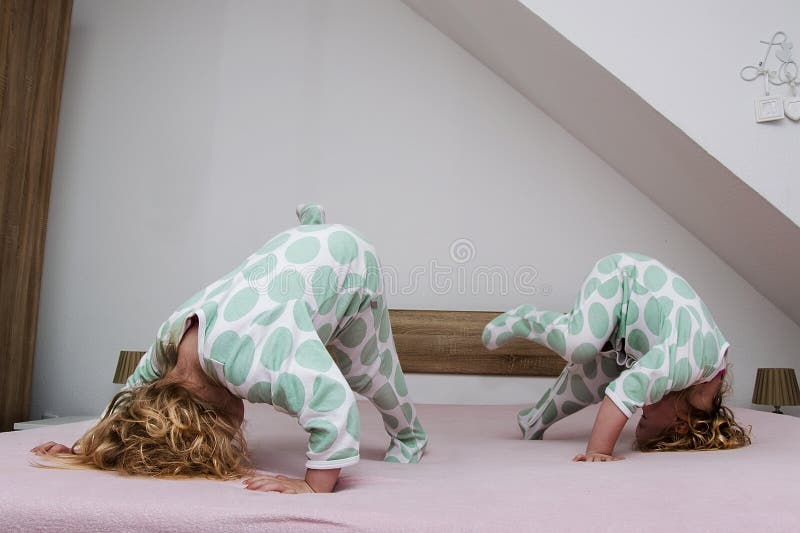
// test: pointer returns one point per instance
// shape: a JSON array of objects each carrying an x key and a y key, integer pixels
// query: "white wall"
[
  {"x": 683, "y": 57},
  {"x": 190, "y": 130}
]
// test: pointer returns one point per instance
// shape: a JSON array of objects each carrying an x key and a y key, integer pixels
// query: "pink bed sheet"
[{"x": 477, "y": 475}]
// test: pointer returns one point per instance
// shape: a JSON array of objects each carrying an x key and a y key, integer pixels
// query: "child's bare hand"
[
  {"x": 51, "y": 448},
  {"x": 283, "y": 484},
  {"x": 592, "y": 457}
]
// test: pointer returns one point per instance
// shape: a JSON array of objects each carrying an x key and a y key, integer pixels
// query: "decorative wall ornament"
[{"x": 774, "y": 107}]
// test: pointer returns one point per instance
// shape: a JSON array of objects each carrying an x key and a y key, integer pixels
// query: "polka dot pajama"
[
  {"x": 637, "y": 332},
  {"x": 301, "y": 324}
]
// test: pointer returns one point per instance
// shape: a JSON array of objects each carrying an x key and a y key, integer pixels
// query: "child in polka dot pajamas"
[
  {"x": 639, "y": 337},
  {"x": 260, "y": 333}
]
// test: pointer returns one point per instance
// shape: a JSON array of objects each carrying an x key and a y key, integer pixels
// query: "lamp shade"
[
  {"x": 126, "y": 365},
  {"x": 776, "y": 386}
]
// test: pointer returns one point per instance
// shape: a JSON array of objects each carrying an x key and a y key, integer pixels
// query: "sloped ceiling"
[{"x": 733, "y": 220}]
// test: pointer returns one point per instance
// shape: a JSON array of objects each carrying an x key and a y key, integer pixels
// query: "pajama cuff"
[
  {"x": 619, "y": 403},
  {"x": 336, "y": 463}
]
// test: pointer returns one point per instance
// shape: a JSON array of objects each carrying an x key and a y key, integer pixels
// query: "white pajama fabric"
[
  {"x": 637, "y": 332},
  {"x": 301, "y": 324}
]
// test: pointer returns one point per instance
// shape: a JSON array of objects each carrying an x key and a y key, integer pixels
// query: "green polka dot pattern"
[
  {"x": 556, "y": 341},
  {"x": 373, "y": 272},
  {"x": 328, "y": 394},
  {"x": 370, "y": 351},
  {"x": 286, "y": 286},
  {"x": 684, "y": 322},
  {"x": 300, "y": 324},
  {"x": 598, "y": 320},
  {"x": 261, "y": 268},
  {"x": 241, "y": 360},
  {"x": 260, "y": 392},
  {"x": 341, "y": 359},
  {"x": 303, "y": 250},
  {"x": 312, "y": 354},
  {"x": 585, "y": 353},
  {"x": 654, "y": 278},
  {"x": 580, "y": 390},
  {"x": 343, "y": 247},
  {"x": 268, "y": 317},
  {"x": 648, "y": 315},
  {"x": 609, "y": 288},
  {"x": 683, "y": 288},
  {"x": 386, "y": 398},
  {"x": 242, "y": 303},
  {"x": 638, "y": 341},
  {"x": 360, "y": 383},
  {"x": 323, "y": 434},
  {"x": 635, "y": 386},
  {"x": 325, "y": 331},
  {"x": 276, "y": 349},
  {"x": 289, "y": 393},
  {"x": 209, "y": 310},
  {"x": 353, "y": 425},
  {"x": 301, "y": 313},
  {"x": 355, "y": 333},
  {"x": 652, "y": 316},
  {"x": 400, "y": 384},
  {"x": 575, "y": 324}
]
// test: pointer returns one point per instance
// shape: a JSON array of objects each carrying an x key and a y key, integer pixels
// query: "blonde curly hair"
[
  {"x": 713, "y": 430},
  {"x": 160, "y": 429}
]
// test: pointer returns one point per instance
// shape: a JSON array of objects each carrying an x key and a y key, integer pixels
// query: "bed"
[{"x": 477, "y": 475}]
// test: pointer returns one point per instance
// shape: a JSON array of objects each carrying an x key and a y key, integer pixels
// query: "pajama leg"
[
  {"x": 578, "y": 336},
  {"x": 364, "y": 350},
  {"x": 576, "y": 387}
]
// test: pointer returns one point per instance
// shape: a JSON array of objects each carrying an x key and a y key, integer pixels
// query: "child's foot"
[
  {"x": 506, "y": 326},
  {"x": 530, "y": 423},
  {"x": 405, "y": 451}
]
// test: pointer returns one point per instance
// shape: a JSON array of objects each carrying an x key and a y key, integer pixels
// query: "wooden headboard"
[{"x": 449, "y": 342}]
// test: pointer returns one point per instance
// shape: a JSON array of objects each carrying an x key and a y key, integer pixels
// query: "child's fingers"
[
  {"x": 605, "y": 458},
  {"x": 595, "y": 458},
  {"x": 49, "y": 448},
  {"x": 266, "y": 486},
  {"x": 42, "y": 447},
  {"x": 258, "y": 478}
]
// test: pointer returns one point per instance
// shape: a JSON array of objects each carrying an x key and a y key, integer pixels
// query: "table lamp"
[
  {"x": 126, "y": 365},
  {"x": 776, "y": 387}
]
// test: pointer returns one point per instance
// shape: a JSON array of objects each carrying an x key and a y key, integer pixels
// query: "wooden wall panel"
[
  {"x": 33, "y": 45},
  {"x": 449, "y": 342}
]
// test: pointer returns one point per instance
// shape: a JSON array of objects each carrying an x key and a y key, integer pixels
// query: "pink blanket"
[{"x": 477, "y": 475}]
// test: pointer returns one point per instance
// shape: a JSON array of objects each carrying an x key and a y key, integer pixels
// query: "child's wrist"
[{"x": 599, "y": 452}]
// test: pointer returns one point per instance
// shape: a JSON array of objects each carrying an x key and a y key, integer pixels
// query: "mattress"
[{"x": 477, "y": 475}]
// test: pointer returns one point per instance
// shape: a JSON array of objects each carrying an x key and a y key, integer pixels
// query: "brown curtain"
[{"x": 33, "y": 47}]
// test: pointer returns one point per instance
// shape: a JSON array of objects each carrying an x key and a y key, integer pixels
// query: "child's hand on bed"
[
  {"x": 282, "y": 484},
  {"x": 51, "y": 448},
  {"x": 593, "y": 457}
]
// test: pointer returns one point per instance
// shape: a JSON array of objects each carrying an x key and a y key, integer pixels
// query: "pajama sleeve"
[
  {"x": 280, "y": 360},
  {"x": 147, "y": 370},
  {"x": 152, "y": 364},
  {"x": 328, "y": 413},
  {"x": 644, "y": 383}
]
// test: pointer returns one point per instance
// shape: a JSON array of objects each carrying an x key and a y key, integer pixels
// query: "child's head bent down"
[
  {"x": 691, "y": 419},
  {"x": 162, "y": 429}
]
